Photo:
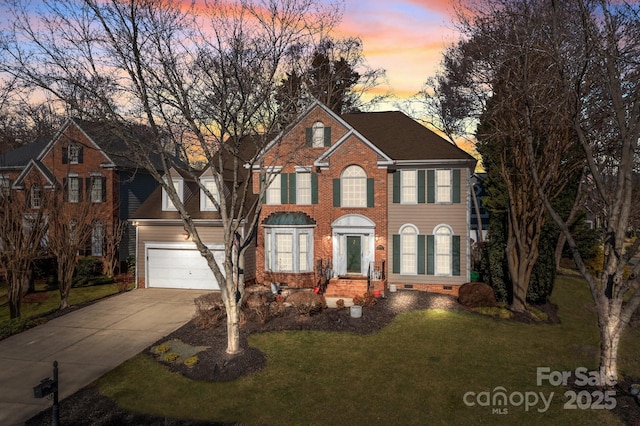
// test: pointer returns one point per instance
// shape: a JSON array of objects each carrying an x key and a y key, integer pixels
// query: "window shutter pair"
[
  {"x": 309, "y": 136},
  {"x": 370, "y": 192},
  {"x": 397, "y": 187},
  {"x": 426, "y": 245},
  {"x": 288, "y": 188}
]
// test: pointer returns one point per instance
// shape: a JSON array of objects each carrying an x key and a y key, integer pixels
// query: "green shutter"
[
  {"x": 292, "y": 188},
  {"x": 396, "y": 254},
  {"x": 455, "y": 255},
  {"x": 284, "y": 188},
  {"x": 104, "y": 189},
  {"x": 314, "y": 188},
  {"x": 430, "y": 255},
  {"x": 308, "y": 136},
  {"x": 421, "y": 187},
  {"x": 80, "y": 154},
  {"x": 456, "y": 185},
  {"x": 336, "y": 193},
  {"x": 327, "y": 136},
  {"x": 396, "y": 186},
  {"x": 421, "y": 254},
  {"x": 431, "y": 186},
  {"x": 370, "y": 193}
]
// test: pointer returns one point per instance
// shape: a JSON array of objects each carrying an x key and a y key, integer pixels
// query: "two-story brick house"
[
  {"x": 375, "y": 198},
  {"x": 88, "y": 164}
]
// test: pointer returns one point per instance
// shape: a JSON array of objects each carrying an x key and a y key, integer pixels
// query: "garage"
[{"x": 181, "y": 267}]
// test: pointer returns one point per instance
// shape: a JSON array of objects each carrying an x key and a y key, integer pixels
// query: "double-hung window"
[
  {"x": 73, "y": 189},
  {"x": 443, "y": 186},
  {"x": 97, "y": 239},
  {"x": 274, "y": 192},
  {"x": 74, "y": 153},
  {"x": 408, "y": 250},
  {"x": 409, "y": 185},
  {"x": 35, "y": 196},
  {"x": 97, "y": 189},
  {"x": 206, "y": 203},
  {"x": 178, "y": 185},
  {"x": 443, "y": 250},
  {"x": 303, "y": 188},
  {"x": 317, "y": 138}
]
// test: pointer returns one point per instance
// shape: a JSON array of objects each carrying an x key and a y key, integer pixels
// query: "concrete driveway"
[{"x": 87, "y": 343}]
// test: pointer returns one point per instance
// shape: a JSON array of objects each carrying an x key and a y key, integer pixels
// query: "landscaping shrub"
[
  {"x": 306, "y": 302},
  {"x": 543, "y": 273},
  {"x": 89, "y": 267},
  {"x": 210, "y": 310}
]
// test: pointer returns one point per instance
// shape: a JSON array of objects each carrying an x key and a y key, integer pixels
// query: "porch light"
[{"x": 186, "y": 234}]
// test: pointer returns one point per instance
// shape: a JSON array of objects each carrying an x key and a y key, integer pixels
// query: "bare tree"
[
  {"x": 70, "y": 227},
  {"x": 605, "y": 96},
  {"x": 23, "y": 231},
  {"x": 559, "y": 80},
  {"x": 113, "y": 233},
  {"x": 192, "y": 80},
  {"x": 493, "y": 76}
]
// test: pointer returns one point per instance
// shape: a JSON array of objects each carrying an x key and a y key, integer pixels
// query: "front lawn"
[
  {"x": 43, "y": 301},
  {"x": 415, "y": 371}
]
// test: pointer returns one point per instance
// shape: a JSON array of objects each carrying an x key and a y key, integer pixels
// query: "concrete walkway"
[{"x": 87, "y": 343}]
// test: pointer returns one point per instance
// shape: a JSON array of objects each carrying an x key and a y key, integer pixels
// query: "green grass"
[
  {"x": 415, "y": 371},
  {"x": 44, "y": 302}
]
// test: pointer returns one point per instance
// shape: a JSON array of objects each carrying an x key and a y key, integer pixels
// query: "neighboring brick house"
[
  {"x": 84, "y": 162},
  {"x": 375, "y": 198}
]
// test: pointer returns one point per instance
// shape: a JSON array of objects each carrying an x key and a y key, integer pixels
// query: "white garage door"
[{"x": 181, "y": 268}]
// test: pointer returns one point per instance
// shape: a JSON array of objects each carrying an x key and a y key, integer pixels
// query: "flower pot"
[
  {"x": 393, "y": 288},
  {"x": 377, "y": 294},
  {"x": 356, "y": 311}
]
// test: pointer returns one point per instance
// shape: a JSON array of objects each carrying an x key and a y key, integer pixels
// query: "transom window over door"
[{"x": 354, "y": 187}]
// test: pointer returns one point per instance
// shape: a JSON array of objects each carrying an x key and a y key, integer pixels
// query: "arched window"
[
  {"x": 408, "y": 250},
  {"x": 443, "y": 249},
  {"x": 317, "y": 138},
  {"x": 353, "y": 187}
]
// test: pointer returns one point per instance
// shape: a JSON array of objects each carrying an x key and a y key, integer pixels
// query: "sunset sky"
[{"x": 403, "y": 37}]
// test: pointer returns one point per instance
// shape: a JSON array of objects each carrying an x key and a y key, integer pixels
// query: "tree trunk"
[
  {"x": 610, "y": 333},
  {"x": 233, "y": 325},
  {"x": 15, "y": 294},
  {"x": 562, "y": 239}
]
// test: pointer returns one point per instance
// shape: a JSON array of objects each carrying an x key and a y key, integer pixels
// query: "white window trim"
[
  {"x": 74, "y": 148},
  {"x": 70, "y": 178},
  {"x": 402, "y": 186},
  {"x": 437, "y": 186},
  {"x": 402, "y": 246},
  {"x": 435, "y": 249},
  {"x": 271, "y": 249},
  {"x": 317, "y": 135},
  {"x": 178, "y": 183},
  {"x": 361, "y": 203},
  {"x": 96, "y": 198},
  {"x": 298, "y": 188},
  {"x": 204, "y": 199}
]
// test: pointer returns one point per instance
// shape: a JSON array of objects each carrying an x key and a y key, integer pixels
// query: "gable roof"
[
  {"x": 404, "y": 139},
  {"x": 20, "y": 157},
  {"x": 44, "y": 171}
]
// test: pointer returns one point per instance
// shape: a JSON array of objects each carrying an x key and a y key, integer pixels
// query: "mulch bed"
[{"x": 89, "y": 407}]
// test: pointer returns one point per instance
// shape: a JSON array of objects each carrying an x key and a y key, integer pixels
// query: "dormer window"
[
  {"x": 206, "y": 204},
  {"x": 178, "y": 184}
]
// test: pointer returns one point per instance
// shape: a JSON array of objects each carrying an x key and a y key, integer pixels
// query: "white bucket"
[
  {"x": 356, "y": 311},
  {"x": 392, "y": 288}
]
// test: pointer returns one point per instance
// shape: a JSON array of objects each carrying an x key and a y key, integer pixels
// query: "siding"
[
  {"x": 426, "y": 217},
  {"x": 161, "y": 234}
]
